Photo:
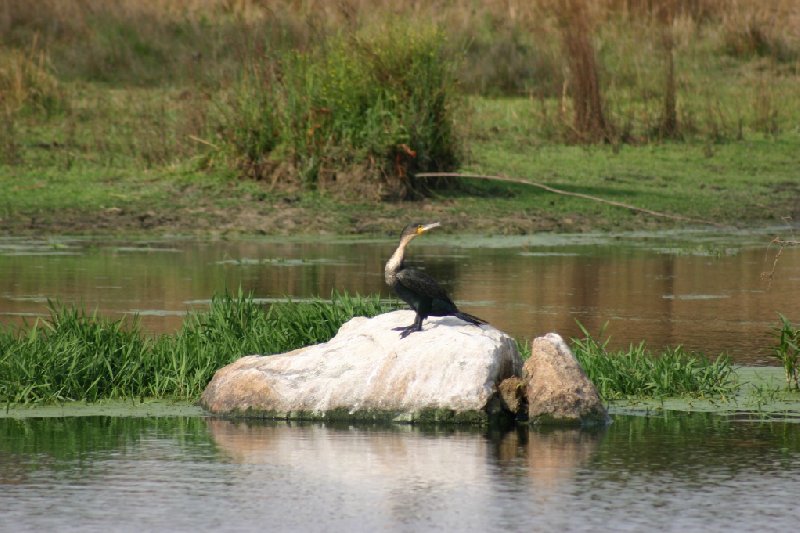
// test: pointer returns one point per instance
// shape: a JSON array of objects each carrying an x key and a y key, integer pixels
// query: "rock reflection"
[
  {"x": 420, "y": 458},
  {"x": 363, "y": 452},
  {"x": 672, "y": 472},
  {"x": 549, "y": 457}
]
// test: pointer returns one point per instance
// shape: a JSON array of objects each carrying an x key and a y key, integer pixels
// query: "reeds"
[
  {"x": 639, "y": 373},
  {"x": 788, "y": 351},
  {"x": 74, "y": 355},
  {"x": 589, "y": 119},
  {"x": 77, "y": 356}
]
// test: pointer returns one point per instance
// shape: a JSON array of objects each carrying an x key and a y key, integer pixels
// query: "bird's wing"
[{"x": 421, "y": 283}]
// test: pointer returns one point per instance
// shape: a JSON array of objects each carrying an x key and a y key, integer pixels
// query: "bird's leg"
[{"x": 408, "y": 330}]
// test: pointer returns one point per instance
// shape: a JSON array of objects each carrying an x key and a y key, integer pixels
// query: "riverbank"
[
  {"x": 157, "y": 120},
  {"x": 761, "y": 398},
  {"x": 741, "y": 184}
]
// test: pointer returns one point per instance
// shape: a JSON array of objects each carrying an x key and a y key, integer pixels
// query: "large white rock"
[{"x": 448, "y": 371}]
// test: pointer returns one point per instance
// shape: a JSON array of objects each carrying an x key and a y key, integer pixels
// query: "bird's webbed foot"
[{"x": 408, "y": 330}]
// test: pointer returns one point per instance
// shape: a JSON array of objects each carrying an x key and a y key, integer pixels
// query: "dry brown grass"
[
  {"x": 26, "y": 80},
  {"x": 590, "y": 124},
  {"x": 512, "y": 45},
  {"x": 619, "y": 70}
]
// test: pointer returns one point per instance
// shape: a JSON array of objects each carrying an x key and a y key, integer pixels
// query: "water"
[
  {"x": 677, "y": 472},
  {"x": 702, "y": 290}
]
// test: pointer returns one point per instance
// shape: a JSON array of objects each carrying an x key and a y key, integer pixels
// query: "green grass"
[
  {"x": 157, "y": 110},
  {"x": 638, "y": 373},
  {"x": 788, "y": 351},
  {"x": 78, "y": 356},
  {"x": 740, "y": 182},
  {"x": 379, "y": 103}
]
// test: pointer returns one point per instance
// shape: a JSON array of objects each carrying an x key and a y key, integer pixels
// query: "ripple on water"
[
  {"x": 663, "y": 473},
  {"x": 690, "y": 297}
]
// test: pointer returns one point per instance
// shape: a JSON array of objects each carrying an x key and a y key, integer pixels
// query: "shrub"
[{"x": 375, "y": 107}]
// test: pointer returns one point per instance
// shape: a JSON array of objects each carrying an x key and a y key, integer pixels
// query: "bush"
[{"x": 372, "y": 108}]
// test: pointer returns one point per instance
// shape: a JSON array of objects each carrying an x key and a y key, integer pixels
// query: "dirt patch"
[
  {"x": 197, "y": 220},
  {"x": 192, "y": 210},
  {"x": 282, "y": 219}
]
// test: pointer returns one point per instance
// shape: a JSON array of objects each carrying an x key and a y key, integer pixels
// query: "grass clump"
[
  {"x": 28, "y": 83},
  {"x": 639, "y": 373},
  {"x": 78, "y": 356},
  {"x": 72, "y": 355},
  {"x": 374, "y": 107},
  {"x": 788, "y": 351}
]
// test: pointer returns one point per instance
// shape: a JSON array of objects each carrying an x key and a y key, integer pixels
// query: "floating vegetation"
[
  {"x": 281, "y": 261},
  {"x": 695, "y": 296},
  {"x": 146, "y": 249}
]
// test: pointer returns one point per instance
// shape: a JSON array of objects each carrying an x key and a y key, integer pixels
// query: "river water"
[
  {"x": 701, "y": 290},
  {"x": 179, "y": 471},
  {"x": 676, "y": 472}
]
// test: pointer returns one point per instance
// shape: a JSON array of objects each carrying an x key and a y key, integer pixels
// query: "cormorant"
[{"x": 417, "y": 288}]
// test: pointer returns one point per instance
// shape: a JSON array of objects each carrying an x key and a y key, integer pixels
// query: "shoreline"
[{"x": 762, "y": 398}]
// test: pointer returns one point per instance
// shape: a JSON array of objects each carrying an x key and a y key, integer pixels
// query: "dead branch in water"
[
  {"x": 568, "y": 193},
  {"x": 782, "y": 243}
]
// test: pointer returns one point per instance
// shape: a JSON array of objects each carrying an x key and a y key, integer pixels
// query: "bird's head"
[{"x": 412, "y": 230}]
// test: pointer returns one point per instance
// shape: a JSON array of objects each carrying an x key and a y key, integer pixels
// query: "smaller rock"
[
  {"x": 512, "y": 393},
  {"x": 557, "y": 389}
]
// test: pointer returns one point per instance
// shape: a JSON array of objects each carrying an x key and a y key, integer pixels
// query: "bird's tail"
[{"x": 472, "y": 319}]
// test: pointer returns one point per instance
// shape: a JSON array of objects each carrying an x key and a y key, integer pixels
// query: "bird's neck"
[{"x": 395, "y": 262}]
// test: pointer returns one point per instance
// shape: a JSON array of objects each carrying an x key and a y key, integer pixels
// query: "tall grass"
[
  {"x": 142, "y": 81},
  {"x": 377, "y": 106},
  {"x": 637, "y": 372},
  {"x": 74, "y": 355},
  {"x": 28, "y": 83},
  {"x": 28, "y": 88},
  {"x": 788, "y": 351}
]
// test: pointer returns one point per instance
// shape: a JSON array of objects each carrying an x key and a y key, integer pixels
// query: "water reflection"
[
  {"x": 447, "y": 456},
  {"x": 676, "y": 472},
  {"x": 549, "y": 457},
  {"x": 707, "y": 296}
]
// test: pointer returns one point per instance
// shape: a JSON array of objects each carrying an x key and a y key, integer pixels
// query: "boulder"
[
  {"x": 557, "y": 389},
  {"x": 512, "y": 394},
  {"x": 448, "y": 372}
]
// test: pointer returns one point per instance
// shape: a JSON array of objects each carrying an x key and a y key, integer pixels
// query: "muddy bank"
[
  {"x": 762, "y": 397},
  {"x": 284, "y": 217}
]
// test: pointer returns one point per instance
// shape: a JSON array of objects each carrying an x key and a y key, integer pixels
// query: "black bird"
[{"x": 417, "y": 288}]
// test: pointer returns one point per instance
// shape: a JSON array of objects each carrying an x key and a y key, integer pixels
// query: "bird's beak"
[{"x": 428, "y": 227}]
